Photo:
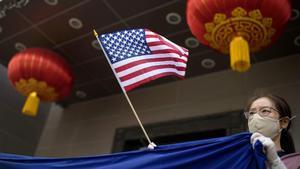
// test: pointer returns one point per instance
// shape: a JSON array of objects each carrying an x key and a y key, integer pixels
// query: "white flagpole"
[{"x": 132, "y": 108}]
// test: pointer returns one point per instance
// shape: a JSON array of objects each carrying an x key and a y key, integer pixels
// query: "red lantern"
[
  {"x": 39, "y": 73},
  {"x": 237, "y": 26}
]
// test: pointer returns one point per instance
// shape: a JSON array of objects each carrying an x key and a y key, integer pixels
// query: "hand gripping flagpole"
[{"x": 151, "y": 144}]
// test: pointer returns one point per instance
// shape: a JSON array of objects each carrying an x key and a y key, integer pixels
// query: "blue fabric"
[{"x": 219, "y": 153}]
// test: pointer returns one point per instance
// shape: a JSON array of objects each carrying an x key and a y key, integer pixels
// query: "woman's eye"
[
  {"x": 251, "y": 113},
  {"x": 265, "y": 111}
]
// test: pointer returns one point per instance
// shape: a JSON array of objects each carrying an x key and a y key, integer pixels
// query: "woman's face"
[{"x": 263, "y": 102}]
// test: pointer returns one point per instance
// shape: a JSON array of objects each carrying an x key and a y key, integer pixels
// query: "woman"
[{"x": 269, "y": 119}]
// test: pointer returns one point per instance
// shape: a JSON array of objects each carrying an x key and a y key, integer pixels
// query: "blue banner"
[{"x": 234, "y": 152}]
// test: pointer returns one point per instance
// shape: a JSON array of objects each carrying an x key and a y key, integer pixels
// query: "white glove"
[
  {"x": 274, "y": 161},
  {"x": 151, "y": 146}
]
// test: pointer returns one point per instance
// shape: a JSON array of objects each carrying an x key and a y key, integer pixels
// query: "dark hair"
[{"x": 286, "y": 140}]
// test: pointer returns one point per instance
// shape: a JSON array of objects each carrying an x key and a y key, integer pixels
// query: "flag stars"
[{"x": 125, "y": 44}]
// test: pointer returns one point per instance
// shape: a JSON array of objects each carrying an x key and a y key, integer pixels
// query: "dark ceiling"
[{"x": 39, "y": 24}]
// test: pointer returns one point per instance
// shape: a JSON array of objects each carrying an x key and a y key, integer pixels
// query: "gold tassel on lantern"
[
  {"x": 239, "y": 54},
  {"x": 31, "y": 105}
]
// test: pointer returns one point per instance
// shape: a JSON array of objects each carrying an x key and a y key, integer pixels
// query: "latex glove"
[
  {"x": 151, "y": 146},
  {"x": 274, "y": 161}
]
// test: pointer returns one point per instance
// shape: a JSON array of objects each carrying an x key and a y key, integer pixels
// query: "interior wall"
[
  {"x": 88, "y": 128},
  {"x": 19, "y": 134}
]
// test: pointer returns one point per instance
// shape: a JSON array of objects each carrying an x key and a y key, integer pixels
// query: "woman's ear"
[{"x": 284, "y": 122}]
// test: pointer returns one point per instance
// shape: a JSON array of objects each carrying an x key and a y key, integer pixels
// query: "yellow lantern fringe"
[
  {"x": 31, "y": 105},
  {"x": 239, "y": 54}
]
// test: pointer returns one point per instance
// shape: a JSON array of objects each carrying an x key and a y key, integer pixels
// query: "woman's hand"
[
  {"x": 268, "y": 144},
  {"x": 269, "y": 149}
]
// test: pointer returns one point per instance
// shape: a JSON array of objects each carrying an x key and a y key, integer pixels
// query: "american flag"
[{"x": 140, "y": 55}]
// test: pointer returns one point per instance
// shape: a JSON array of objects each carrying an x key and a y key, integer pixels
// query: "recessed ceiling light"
[
  {"x": 51, "y": 2},
  {"x": 297, "y": 41},
  {"x": 295, "y": 14},
  {"x": 96, "y": 45},
  {"x": 173, "y": 18},
  {"x": 20, "y": 46},
  {"x": 191, "y": 42},
  {"x": 208, "y": 63},
  {"x": 81, "y": 94},
  {"x": 75, "y": 23}
]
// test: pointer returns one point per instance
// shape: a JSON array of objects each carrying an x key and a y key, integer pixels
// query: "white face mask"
[{"x": 267, "y": 126}]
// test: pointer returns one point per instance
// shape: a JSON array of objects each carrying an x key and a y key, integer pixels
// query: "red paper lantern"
[
  {"x": 237, "y": 26},
  {"x": 39, "y": 73}
]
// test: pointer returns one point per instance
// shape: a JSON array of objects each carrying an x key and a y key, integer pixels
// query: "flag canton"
[{"x": 124, "y": 44}]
